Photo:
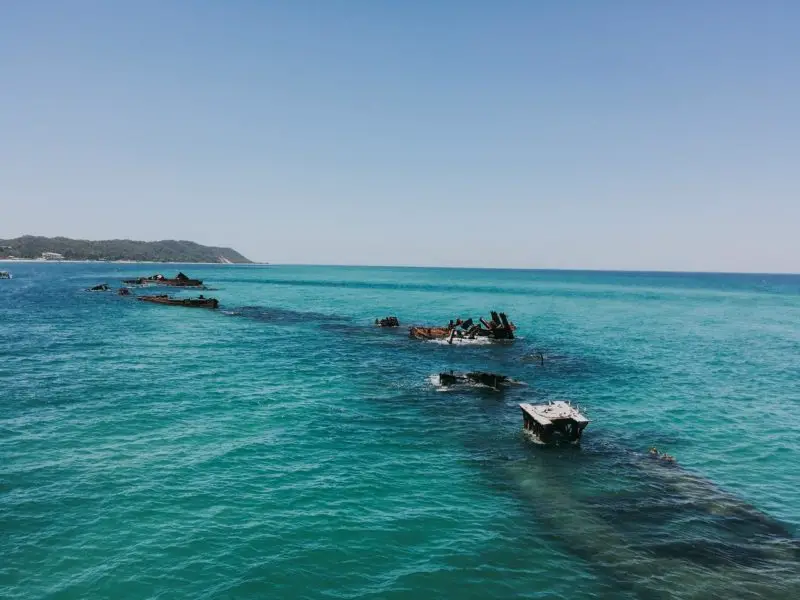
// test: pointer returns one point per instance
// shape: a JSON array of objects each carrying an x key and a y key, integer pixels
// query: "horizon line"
[{"x": 574, "y": 269}]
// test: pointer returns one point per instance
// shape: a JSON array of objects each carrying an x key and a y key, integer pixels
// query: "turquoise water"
[{"x": 283, "y": 447}]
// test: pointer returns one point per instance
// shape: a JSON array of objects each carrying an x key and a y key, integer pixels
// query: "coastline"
[{"x": 124, "y": 262}]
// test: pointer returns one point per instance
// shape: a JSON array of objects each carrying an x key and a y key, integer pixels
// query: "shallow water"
[{"x": 283, "y": 446}]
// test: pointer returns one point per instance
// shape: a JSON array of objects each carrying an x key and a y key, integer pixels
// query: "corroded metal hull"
[{"x": 429, "y": 333}]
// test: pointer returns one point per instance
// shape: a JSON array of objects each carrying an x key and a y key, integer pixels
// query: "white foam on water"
[
  {"x": 436, "y": 382},
  {"x": 532, "y": 437},
  {"x": 478, "y": 341}
]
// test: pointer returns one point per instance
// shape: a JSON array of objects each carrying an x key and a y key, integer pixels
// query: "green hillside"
[{"x": 29, "y": 246}]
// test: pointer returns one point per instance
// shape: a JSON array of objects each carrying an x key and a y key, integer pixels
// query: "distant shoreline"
[
  {"x": 36, "y": 247},
  {"x": 127, "y": 262}
]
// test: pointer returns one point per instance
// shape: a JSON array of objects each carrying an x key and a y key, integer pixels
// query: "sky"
[{"x": 564, "y": 134}]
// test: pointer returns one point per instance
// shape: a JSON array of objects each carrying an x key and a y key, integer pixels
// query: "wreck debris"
[
  {"x": 654, "y": 453},
  {"x": 490, "y": 380},
  {"x": 498, "y": 328},
  {"x": 388, "y": 322},
  {"x": 534, "y": 357}
]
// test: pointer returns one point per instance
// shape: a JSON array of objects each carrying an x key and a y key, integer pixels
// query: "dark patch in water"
[
  {"x": 284, "y": 316},
  {"x": 708, "y": 553},
  {"x": 345, "y": 328},
  {"x": 647, "y": 517}
]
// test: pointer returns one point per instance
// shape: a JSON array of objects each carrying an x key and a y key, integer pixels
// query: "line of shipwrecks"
[
  {"x": 578, "y": 521},
  {"x": 181, "y": 280},
  {"x": 557, "y": 421}
]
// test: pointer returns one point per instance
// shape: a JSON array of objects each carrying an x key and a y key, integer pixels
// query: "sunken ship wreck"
[
  {"x": 556, "y": 421},
  {"x": 476, "y": 378},
  {"x": 180, "y": 280},
  {"x": 497, "y": 328},
  {"x": 388, "y": 322}
]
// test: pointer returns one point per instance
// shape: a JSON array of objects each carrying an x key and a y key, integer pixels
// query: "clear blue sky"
[{"x": 567, "y": 134}]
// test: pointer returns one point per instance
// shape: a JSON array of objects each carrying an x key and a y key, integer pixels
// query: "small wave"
[{"x": 437, "y": 384}]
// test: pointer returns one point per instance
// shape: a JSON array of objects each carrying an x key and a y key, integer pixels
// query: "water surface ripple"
[{"x": 284, "y": 447}]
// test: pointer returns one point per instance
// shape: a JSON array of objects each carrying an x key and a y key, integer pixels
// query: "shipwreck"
[
  {"x": 180, "y": 280},
  {"x": 497, "y": 328},
  {"x": 388, "y": 322},
  {"x": 556, "y": 421},
  {"x": 476, "y": 378}
]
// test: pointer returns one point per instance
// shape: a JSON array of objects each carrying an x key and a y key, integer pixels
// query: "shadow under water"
[
  {"x": 648, "y": 528},
  {"x": 284, "y": 316},
  {"x": 338, "y": 325},
  {"x": 652, "y": 528}
]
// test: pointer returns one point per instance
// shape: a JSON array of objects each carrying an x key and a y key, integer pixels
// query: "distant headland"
[{"x": 60, "y": 248}]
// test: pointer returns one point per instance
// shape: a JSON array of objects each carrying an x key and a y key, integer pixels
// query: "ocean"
[{"x": 285, "y": 447}]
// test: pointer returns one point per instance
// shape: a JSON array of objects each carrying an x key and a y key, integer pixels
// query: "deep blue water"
[{"x": 284, "y": 447}]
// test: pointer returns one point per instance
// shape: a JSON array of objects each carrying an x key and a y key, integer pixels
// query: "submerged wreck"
[
  {"x": 180, "y": 280},
  {"x": 662, "y": 533},
  {"x": 553, "y": 422},
  {"x": 388, "y": 322},
  {"x": 490, "y": 380},
  {"x": 497, "y": 328},
  {"x": 199, "y": 302}
]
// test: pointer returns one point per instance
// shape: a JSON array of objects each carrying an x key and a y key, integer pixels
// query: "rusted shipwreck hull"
[
  {"x": 497, "y": 328},
  {"x": 180, "y": 280},
  {"x": 200, "y": 302},
  {"x": 429, "y": 333}
]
